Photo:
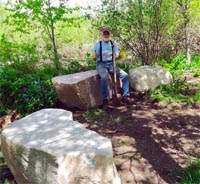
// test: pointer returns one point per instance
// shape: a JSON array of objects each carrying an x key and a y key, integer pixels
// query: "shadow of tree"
[{"x": 164, "y": 140}]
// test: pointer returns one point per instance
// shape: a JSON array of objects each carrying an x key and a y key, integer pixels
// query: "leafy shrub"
[
  {"x": 21, "y": 56},
  {"x": 179, "y": 64},
  {"x": 126, "y": 66},
  {"x": 74, "y": 66},
  {"x": 197, "y": 96},
  {"x": 178, "y": 91},
  {"x": 197, "y": 73},
  {"x": 90, "y": 64},
  {"x": 196, "y": 60},
  {"x": 26, "y": 92}
]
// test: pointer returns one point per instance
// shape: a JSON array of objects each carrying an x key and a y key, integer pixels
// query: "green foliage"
[
  {"x": 92, "y": 114},
  {"x": 191, "y": 174},
  {"x": 73, "y": 66},
  {"x": 78, "y": 33},
  {"x": 197, "y": 96},
  {"x": 6, "y": 181},
  {"x": 179, "y": 64},
  {"x": 178, "y": 91},
  {"x": 90, "y": 64},
  {"x": 127, "y": 66},
  {"x": 21, "y": 56},
  {"x": 197, "y": 73},
  {"x": 26, "y": 92},
  {"x": 144, "y": 27},
  {"x": 41, "y": 14}
]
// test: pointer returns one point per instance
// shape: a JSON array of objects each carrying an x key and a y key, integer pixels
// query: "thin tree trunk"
[
  {"x": 58, "y": 66},
  {"x": 187, "y": 43},
  {"x": 141, "y": 33},
  {"x": 184, "y": 7},
  {"x": 53, "y": 40}
]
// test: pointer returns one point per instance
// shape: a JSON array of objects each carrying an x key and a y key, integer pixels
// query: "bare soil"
[{"x": 152, "y": 142}]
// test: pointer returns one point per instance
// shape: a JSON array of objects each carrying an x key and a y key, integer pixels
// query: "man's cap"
[{"x": 105, "y": 29}]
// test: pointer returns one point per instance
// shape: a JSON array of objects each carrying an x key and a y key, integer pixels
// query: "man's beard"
[{"x": 106, "y": 39}]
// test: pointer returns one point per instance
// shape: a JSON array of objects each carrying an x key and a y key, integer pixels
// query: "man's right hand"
[{"x": 94, "y": 56}]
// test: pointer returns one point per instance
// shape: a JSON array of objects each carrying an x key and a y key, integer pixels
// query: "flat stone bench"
[
  {"x": 81, "y": 90},
  {"x": 48, "y": 147}
]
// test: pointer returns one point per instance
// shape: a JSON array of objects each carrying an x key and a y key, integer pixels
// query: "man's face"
[{"x": 106, "y": 34}]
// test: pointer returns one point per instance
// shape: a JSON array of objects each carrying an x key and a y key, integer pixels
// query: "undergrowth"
[{"x": 190, "y": 174}]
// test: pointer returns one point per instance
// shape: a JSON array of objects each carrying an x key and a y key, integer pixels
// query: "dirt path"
[{"x": 151, "y": 143}]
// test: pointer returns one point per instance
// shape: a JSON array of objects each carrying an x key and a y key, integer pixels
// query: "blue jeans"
[{"x": 103, "y": 68}]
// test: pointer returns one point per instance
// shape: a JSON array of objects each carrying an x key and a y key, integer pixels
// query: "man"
[{"x": 104, "y": 65}]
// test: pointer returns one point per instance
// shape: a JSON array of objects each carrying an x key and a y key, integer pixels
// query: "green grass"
[
  {"x": 93, "y": 114},
  {"x": 190, "y": 174}
]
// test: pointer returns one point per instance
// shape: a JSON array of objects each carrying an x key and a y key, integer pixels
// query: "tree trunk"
[
  {"x": 56, "y": 58},
  {"x": 187, "y": 43},
  {"x": 141, "y": 33},
  {"x": 187, "y": 36},
  {"x": 53, "y": 40}
]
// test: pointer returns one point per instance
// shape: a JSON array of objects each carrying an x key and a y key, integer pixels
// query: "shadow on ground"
[{"x": 150, "y": 143}]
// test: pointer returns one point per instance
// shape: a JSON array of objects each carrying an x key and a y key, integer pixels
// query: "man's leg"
[
  {"x": 125, "y": 82},
  {"x": 103, "y": 73}
]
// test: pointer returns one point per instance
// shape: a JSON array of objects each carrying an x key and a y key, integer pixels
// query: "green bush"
[
  {"x": 197, "y": 96},
  {"x": 196, "y": 60},
  {"x": 197, "y": 73},
  {"x": 90, "y": 64},
  {"x": 126, "y": 66},
  {"x": 74, "y": 66},
  {"x": 178, "y": 91},
  {"x": 178, "y": 64},
  {"x": 21, "y": 56},
  {"x": 26, "y": 92}
]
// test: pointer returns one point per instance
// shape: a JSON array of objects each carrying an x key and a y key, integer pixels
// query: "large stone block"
[
  {"x": 82, "y": 90},
  {"x": 48, "y": 147},
  {"x": 148, "y": 77}
]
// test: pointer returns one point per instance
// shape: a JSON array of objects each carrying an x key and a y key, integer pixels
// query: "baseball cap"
[{"x": 105, "y": 29}]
